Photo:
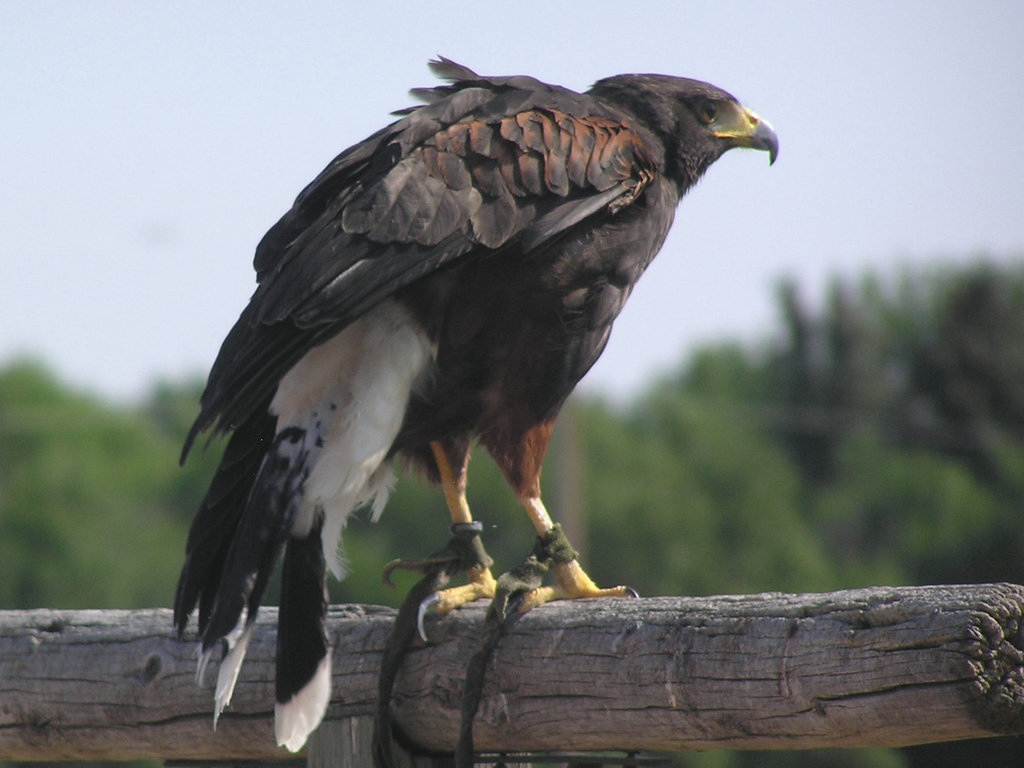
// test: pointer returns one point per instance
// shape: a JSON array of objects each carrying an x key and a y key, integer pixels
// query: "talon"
[
  {"x": 437, "y": 560},
  {"x": 424, "y": 606},
  {"x": 516, "y": 602},
  {"x": 630, "y": 592},
  {"x": 385, "y": 574}
]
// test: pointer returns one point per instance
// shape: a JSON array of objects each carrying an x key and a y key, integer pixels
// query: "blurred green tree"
[{"x": 89, "y": 505}]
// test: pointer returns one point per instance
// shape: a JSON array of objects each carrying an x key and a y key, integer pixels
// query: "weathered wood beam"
[{"x": 870, "y": 667}]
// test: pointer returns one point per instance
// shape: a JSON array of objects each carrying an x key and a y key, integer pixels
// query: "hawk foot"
[
  {"x": 572, "y": 582},
  {"x": 551, "y": 551},
  {"x": 463, "y": 552}
]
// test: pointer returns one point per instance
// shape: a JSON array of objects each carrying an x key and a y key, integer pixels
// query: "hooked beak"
[{"x": 751, "y": 131}]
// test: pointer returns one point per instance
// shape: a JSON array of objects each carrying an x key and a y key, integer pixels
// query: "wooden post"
[
  {"x": 871, "y": 667},
  {"x": 342, "y": 744}
]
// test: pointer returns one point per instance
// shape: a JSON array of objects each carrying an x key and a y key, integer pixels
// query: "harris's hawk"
[{"x": 448, "y": 280}]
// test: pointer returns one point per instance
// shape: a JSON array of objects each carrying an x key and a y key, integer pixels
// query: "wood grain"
[{"x": 872, "y": 667}]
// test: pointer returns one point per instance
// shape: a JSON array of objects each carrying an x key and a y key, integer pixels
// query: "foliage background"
[{"x": 878, "y": 439}]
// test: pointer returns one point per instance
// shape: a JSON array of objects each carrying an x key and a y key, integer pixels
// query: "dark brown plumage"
[{"x": 450, "y": 278}]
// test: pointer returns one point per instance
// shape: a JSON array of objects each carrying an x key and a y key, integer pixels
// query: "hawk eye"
[{"x": 707, "y": 110}]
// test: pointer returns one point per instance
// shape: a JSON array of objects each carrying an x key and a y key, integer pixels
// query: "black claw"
[
  {"x": 421, "y": 611},
  {"x": 418, "y": 566},
  {"x": 515, "y": 600},
  {"x": 630, "y": 592}
]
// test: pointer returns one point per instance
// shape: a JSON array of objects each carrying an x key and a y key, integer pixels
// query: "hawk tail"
[
  {"x": 303, "y": 680},
  {"x": 243, "y": 526}
]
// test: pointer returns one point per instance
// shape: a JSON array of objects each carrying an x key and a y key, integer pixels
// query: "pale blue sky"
[{"x": 146, "y": 147}]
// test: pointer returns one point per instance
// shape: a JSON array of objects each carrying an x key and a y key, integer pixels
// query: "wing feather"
[
  {"x": 487, "y": 163},
  {"x": 481, "y": 135}
]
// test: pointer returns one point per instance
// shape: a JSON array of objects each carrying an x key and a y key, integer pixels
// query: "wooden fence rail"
[{"x": 871, "y": 667}]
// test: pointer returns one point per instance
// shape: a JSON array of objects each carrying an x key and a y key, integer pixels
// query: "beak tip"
[
  {"x": 766, "y": 138},
  {"x": 769, "y": 142}
]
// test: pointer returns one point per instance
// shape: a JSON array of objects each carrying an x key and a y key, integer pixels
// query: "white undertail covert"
[{"x": 351, "y": 392}]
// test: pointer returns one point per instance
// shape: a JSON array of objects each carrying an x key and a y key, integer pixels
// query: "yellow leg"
[
  {"x": 481, "y": 582},
  {"x": 571, "y": 580}
]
